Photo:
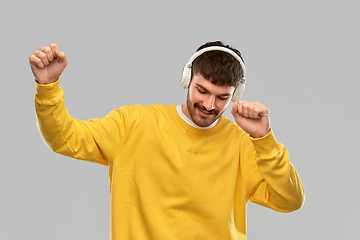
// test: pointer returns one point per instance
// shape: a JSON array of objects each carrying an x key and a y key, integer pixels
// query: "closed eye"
[
  {"x": 223, "y": 98},
  {"x": 201, "y": 91}
]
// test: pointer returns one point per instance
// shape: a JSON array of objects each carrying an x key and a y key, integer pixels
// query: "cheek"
[
  {"x": 223, "y": 105},
  {"x": 194, "y": 96}
]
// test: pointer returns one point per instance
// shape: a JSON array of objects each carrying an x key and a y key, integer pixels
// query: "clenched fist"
[
  {"x": 47, "y": 64},
  {"x": 253, "y": 118}
]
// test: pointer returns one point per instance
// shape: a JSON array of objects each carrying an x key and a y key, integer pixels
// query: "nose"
[{"x": 209, "y": 103}]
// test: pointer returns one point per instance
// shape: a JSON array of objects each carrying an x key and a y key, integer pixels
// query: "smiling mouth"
[{"x": 205, "y": 113}]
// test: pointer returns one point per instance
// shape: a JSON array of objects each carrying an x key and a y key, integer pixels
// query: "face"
[{"x": 206, "y": 102}]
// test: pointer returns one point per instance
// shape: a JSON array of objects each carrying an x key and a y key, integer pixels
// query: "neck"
[{"x": 185, "y": 110}]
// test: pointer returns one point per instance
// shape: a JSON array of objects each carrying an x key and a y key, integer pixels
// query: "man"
[{"x": 178, "y": 171}]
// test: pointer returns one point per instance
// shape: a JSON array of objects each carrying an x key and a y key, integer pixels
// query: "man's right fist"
[{"x": 47, "y": 64}]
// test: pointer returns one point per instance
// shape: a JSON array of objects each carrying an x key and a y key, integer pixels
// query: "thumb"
[
  {"x": 234, "y": 111},
  {"x": 236, "y": 114},
  {"x": 62, "y": 60}
]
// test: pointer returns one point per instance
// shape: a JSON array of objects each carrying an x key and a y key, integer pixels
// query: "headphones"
[{"x": 186, "y": 77}]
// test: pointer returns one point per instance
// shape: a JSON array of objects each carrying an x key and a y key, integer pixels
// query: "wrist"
[
  {"x": 45, "y": 82},
  {"x": 47, "y": 93},
  {"x": 260, "y": 134},
  {"x": 265, "y": 146}
]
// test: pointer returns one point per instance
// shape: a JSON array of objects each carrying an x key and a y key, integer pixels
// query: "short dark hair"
[{"x": 218, "y": 67}]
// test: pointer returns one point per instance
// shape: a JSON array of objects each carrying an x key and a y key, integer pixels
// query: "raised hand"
[
  {"x": 48, "y": 63},
  {"x": 253, "y": 118}
]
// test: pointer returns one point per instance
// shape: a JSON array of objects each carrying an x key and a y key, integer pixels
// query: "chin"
[
  {"x": 202, "y": 121},
  {"x": 198, "y": 117}
]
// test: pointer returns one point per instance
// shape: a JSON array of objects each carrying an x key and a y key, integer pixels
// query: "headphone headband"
[{"x": 186, "y": 78}]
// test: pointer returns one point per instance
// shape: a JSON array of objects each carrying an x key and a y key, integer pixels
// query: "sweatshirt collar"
[{"x": 195, "y": 129}]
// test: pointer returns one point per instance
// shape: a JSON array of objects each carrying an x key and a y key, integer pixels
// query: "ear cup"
[
  {"x": 238, "y": 92},
  {"x": 185, "y": 80}
]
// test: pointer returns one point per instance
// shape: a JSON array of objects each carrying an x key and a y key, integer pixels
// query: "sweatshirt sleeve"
[
  {"x": 93, "y": 140},
  {"x": 272, "y": 180}
]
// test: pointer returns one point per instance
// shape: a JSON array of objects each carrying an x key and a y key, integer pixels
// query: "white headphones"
[{"x": 186, "y": 77}]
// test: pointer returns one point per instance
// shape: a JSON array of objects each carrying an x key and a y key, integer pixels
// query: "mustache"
[{"x": 197, "y": 105}]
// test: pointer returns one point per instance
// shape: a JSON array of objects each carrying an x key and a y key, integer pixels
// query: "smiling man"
[
  {"x": 206, "y": 102},
  {"x": 178, "y": 171}
]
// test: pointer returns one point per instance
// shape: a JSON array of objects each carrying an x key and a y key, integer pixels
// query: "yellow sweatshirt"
[{"x": 169, "y": 180}]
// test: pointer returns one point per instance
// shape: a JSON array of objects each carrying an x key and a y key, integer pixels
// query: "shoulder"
[
  {"x": 228, "y": 132},
  {"x": 148, "y": 111},
  {"x": 228, "y": 125}
]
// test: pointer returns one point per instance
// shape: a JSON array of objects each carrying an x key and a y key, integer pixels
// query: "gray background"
[{"x": 302, "y": 62}]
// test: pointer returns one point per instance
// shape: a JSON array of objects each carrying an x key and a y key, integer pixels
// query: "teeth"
[{"x": 204, "y": 112}]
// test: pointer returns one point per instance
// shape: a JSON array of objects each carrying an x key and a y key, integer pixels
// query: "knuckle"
[
  {"x": 42, "y": 55},
  {"x": 46, "y": 49},
  {"x": 53, "y": 46},
  {"x": 32, "y": 58},
  {"x": 37, "y": 61}
]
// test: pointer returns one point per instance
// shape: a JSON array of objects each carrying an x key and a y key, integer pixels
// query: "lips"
[{"x": 204, "y": 113}]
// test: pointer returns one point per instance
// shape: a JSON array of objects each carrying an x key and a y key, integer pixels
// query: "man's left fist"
[{"x": 253, "y": 118}]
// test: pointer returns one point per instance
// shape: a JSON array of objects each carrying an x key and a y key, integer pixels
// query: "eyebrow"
[{"x": 224, "y": 95}]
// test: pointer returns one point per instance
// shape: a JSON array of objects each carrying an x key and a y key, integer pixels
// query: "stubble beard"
[{"x": 199, "y": 120}]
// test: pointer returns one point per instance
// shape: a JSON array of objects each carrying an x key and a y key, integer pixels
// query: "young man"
[{"x": 178, "y": 171}]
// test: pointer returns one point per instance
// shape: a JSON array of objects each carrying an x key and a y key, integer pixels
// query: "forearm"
[{"x": 281, "y": 187}]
